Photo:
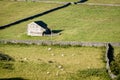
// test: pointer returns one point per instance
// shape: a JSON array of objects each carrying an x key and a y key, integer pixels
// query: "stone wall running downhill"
[{"x": 109, "y": 57}]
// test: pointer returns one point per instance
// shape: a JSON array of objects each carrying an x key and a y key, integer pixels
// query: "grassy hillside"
[
  {"x": 116, "y": 51},
  {"x": 90, "y": 1},
  {"x": 37, "y": 62},
  {"x": 115, "y": 64},
  {"x": 12, "y": 11},
  {"x": 61, "y": 0},
  {"x": 77, "y": 22},
  {"x": 105, "y": 1}
]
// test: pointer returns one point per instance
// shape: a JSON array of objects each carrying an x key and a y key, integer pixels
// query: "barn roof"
[{"x": 41, "y": 24}]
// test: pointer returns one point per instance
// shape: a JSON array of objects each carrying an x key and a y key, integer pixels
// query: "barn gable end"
[{"x": 37, "y": 28}]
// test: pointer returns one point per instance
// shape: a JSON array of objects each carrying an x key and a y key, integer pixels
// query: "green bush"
[
  {"x": 6, "y": 65},
  {"x": 118, "y": 60},
  {"x": 115, "y": 65},
  {"x": 89, "y": 73},
  {"x": 118, "y": 77},
  {"x": 114, "y": 68}
]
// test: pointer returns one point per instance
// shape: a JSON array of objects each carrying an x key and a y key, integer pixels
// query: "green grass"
[
  {"x": 116, "y": 51},
  {"x": 51, "y": 0},
  {"x": 79, "y": 63},
  {"x": 115, "y": 65},
  {"x": 78, "y": 22},
  {"x": 104, "y": 1},
  {"x": 90, "y": 1},
  {"x": 18, "y": 10},
  {"x": 61, "y": 0}
]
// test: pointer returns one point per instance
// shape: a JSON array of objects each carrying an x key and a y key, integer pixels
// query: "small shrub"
[
  {"x": 5, "y": 57},
  {"x": 85, "y": 74},
  {"x": 114, "y": 68},
  {"x": 6, "y": 65},
  {"x": 115, "y": 65},
  {"x": 118, "y": 59},
  {"x": 118, "y": 77}
]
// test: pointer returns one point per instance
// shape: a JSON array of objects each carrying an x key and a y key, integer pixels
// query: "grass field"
[
  {"x": 76, "y": 23},
  {"x": 60, "y": 0},
  {"x": 116, "y": 50},
  {"x": 84, "y": 23},
  {"x": 105, "y": 1},
  {"x": 90, "y": 1},
  {"x": 38, "y": 63},
  {"x": 18, "y": 10}
]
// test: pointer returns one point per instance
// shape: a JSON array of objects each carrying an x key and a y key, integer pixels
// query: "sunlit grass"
[
  {"x": 37, "y": 65},
  {"x": 61, "y": 0},
  {"x": 105, "y": 1},
  {"x": 77, "y": 22},
  {"x": 116, "y": 51},
  {"x": 11, "y": 11},
  {"x": 89, "y": 1}
]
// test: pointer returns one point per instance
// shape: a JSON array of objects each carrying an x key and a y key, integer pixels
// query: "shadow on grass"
[
  {"x": 81, "y": 1},
  {"x": 57, "y": 31},
  {"x": 6, "y": 65},
  {"x": 5, "y": 57},
  {"x": 17, "y": 78},
  {"x": 5, "y": 61}
]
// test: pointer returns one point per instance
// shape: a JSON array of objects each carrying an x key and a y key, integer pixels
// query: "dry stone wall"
[
  {"x": 60, "y": 43},
  {"x": 34, "y": 16},
  {"x": 109, "y": 57},
  {"x": 63, "y": 43}
]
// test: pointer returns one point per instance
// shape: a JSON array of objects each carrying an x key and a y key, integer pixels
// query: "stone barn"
[{"x": 38, "y": 28}]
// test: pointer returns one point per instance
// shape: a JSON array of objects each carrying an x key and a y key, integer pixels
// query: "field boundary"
[
  {"x": 99, "y": 4},
  {"x": 55, "y": 2},
  {"x": 60, "y": 43},
  {"x": 66, "y": 4},
  {"x": 109, "y": 56},
  {"x": 34, "y": 16},
  {"x": 78, "y": 2},
  {"x": 108, "y": 45}
]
